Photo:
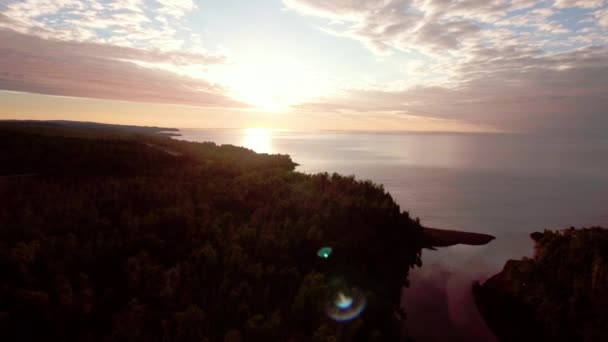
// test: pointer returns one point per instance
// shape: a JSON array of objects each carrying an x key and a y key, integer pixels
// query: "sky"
[{"x": 419, "y": 65}]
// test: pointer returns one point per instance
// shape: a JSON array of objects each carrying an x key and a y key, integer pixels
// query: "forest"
[
  {"x": 560, "y": 294},
  {"x": 120, "y": 234}
]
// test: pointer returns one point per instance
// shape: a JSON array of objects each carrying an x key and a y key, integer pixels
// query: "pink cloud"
[
  {"x": 511, "y": 90},
  {"x": 54, "y": 67}
]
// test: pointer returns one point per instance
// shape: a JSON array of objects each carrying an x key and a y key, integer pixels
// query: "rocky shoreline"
[
  {"x": 558, "y": 295},
  {"x": 433, "y": 237}
]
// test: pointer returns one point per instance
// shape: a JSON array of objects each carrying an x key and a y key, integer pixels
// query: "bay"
[{"x": 507, "y": 185}]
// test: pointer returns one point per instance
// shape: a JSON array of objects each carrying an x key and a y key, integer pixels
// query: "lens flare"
[
  {"x": 324, "y": 252},
  {"x": 345, "y": 303}
]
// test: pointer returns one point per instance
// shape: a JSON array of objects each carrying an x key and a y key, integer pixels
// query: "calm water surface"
[{"x": 501, "y": 184}]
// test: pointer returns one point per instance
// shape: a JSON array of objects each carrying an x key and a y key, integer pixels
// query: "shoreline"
[{"x": 434, "y": 237}]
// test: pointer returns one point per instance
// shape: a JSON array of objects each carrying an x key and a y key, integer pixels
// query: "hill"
[{"x": 127, "y": 235}]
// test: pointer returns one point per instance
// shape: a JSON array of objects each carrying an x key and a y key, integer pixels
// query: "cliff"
[{"x": 561, "y": 294}]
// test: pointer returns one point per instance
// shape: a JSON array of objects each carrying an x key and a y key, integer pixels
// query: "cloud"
[
  {"x": 94, "y": 70},
  {"x": 387, "y": 25},
  {"x": 135, "y": 23},
  {"x": 507, "y": 64},
  {"x": 579, "y": 3},
  {"x": 602, "y": 17},
  {"x": 117, "y": 49},
  {"x": 508, "y": 90},
  {"x": 176, "y": 8},
  {"x": 436, "y": 27}
]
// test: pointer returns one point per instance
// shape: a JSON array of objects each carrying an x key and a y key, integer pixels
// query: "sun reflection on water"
[{"x": 258, "y": 139}]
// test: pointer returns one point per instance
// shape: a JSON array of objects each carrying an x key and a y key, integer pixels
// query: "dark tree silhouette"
[
  {"x": 122, "y": 235},
  {"x": 561, "y": 294}
]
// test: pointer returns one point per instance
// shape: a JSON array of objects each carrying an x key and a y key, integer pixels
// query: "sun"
[
  {"x": 272, "y": 84},
  {"x": 258, "y": 139}
]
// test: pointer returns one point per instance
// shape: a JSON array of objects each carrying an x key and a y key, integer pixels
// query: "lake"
[{"x": 507, "y": 185}]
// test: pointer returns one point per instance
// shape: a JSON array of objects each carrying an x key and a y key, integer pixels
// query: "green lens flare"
[{"x": 324, "y": 252}]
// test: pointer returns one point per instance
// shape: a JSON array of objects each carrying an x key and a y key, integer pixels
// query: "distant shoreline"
[{"x": 63, "y": 124}]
